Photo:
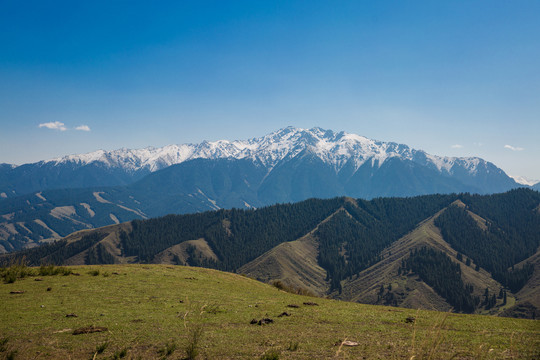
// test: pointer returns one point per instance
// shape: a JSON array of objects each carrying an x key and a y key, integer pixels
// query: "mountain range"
[
  {"x": 344, "y": 153},
  {"x": 50, "y": 199},
  {"x": 459, "y": 252}
]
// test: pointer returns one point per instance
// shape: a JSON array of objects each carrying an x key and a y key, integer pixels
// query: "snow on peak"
[
  {"x": 522, "y": 180},
  {"x": 336, "y": 149},
  {"x": 445, "y": 164}
]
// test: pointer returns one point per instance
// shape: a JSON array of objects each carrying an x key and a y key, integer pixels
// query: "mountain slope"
[
  {"x": 409, "y": 290},
  {"x": 531, "y": 290},
  {"x": 293, "y": 263},
  {"x": 27, "y": 220},
  {"x": 370, "y": 251}
]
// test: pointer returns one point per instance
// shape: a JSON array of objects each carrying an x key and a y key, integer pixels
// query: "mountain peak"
[
  {"x": 334, "y": 148},
  {"x": 522, "y": 180}
]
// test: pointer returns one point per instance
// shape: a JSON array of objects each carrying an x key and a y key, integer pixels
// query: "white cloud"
[
  {"x": 513, "y": 148},
  {"x": 83, "y": 128},
  {"x": 57, "y": 125},
  {"x": 457, "y": 146}
]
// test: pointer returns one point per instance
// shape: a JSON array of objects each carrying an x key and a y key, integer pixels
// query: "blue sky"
[{"x": 455, "y": 78}]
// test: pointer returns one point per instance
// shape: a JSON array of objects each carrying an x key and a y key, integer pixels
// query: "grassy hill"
[{"x": 170, "y": 312}]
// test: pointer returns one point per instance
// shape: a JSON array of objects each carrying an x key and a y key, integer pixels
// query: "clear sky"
[{"x": 455, "y": 78}]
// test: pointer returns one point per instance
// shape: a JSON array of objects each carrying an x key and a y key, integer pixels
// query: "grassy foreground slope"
[{"x": 154, "y": 311}]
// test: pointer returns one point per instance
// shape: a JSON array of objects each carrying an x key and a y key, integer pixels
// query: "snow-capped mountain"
[
  {"x": 345, "y": 154},
  {"x": 335, "y": 149}
]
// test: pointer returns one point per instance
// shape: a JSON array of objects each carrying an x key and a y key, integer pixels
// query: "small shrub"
[
  {"x": 64, "y": 271},
  {"x": 101, "y": 348},
  {"x": 45, "y": 270},
  {"x": 10, "y": 277},
  {"x": 293, "y": 346},
  {"x": 120, "y": 354},
  {"x": 192, "y": 348},
  {"x": 271, "y": 355},
  {"x": 292, "y": 289},
  {"x": 51, "y": 270},
  {"x": 93, "y": 272},
  {"x": 168, "y": 349},
  {"x": 17, "y": 270},
  {"x": 105, "y": 274},
  {"x": 278, "y": 284},
  {"x": 3, "y": 344}
]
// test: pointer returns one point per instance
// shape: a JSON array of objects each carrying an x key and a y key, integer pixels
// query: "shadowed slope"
[{"x": 409, "y": 290}]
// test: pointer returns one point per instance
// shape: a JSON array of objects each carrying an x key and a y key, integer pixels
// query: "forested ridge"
[
  {"x": 354, "y": 238},
  {"x": 236, "y": 236},
  {"x": 511, "y": 233},
  {"x": 350, "y": 234}
]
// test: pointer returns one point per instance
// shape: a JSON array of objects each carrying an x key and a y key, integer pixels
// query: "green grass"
[
  {"x": 19, "y": 270},
  {"x": 158, "y": 311}
]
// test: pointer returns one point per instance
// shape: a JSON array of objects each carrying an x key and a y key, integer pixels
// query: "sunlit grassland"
[{"x": 152, "y": 311}]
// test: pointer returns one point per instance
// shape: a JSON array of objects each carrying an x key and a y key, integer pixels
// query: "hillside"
[
  {"x": 51, "y": 199},
  {"x": 293, "y": 263},
  {"x": 391, "y": 251},
  {"x": 35, "y": 219},
  {"x": 163, "y": 311},
  {"x": 408, "y": 290},
  {"x": 531, "y": 293}
]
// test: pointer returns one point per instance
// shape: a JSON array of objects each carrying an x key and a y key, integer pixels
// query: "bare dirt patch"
[
  {"x": 114, "y": 218},
  {"x": 63, "y": 211},
  {"x": 89, "y": 209},
  {"x": 98, "y": 197}
]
